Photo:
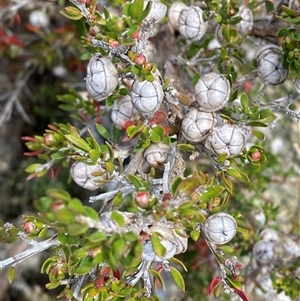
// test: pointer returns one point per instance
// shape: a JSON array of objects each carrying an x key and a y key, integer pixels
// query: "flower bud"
[{"x": 142, "y": 199}]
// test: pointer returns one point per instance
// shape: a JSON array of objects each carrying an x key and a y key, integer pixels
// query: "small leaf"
[
  {"x": 136, "y": 8},
  {"x": 187, "y": 186},
  {"x": 174, "y": 185},
  {"x": 213, "y": 284},
  {"x": 245, "y": 103},
  {"x": 97, "y": 237},
  {"x": 177, "y": 277},
  {"x": 158, "y": 277},
  {"x": 145, "y": 12},
  {"x": 117, "y": 199},
  {"x": 102, "y": 131},
  {"x": 158, "y": 248},
  {"x": 241, "y": 293},
  {"x": 227, "y": 249},
  {"x": 258, "y": 134},
  {"x": 212, "y": 192},
  {"x": 119, "y": 218},
  {"x": 186, "y": 147},
  {"x": 71, "y": 13},
  {"x": 79, "y": 142},
  {"x": 138, "y": 184},
  {"x": 177, "y": 261},
  {"x": 195, "y": 235},
  {"x": 269, "y": 6},
  {"x": 11, "y": 274}
]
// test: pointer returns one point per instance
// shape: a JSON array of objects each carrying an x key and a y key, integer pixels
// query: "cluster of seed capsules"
[{"x": 211, "y": 93}]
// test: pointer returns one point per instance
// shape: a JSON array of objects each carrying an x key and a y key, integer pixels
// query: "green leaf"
[
  {"x": 72, "y": 13},
  {"x": 11, "y": 274},
  {"x": 174, "y": 185},
  {"x": 212, "y": 192},
  {"x": 85, "y": 266},
  {"x": 186, "y": 147},
  {"x": 269, "y": 6},
  {"x": 79, "y": 142},
  {"x": 136, "y": 8},
  {"x": 133, "y": 130},
  {"x": 195, "y": 235},
  {"x": 118, "y": 247},
  {"x": 227, "y": 249},
  {"x": 177, "y": 261},
  {"x": 119, "y": 218},
  {"x": 138, "y": 184},
  {"x": 117, "y": 199},
  {"x": 66, "y": 239},
  {"x": 33, "y": 167},
  {"x": 97, "y": 237},
  {"x": 258, "y": 134},
  {"x": 257, "y": 123},
  {"x": 145, "y": 12},
  {"x": 157, "y": 275},
  {"x": 158, "y": 248},
  {"x": 235, "y": 173},
  {"x": 245, "y": 103},
  {"x": 102, "y": 131},
  {"x": 187, "y": 186},
  {"x": 51, "y": 286},
  {"x": 177, "y": 277}
]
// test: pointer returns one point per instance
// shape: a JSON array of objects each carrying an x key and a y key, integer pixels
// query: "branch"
[{"x": 36, "y": 248}]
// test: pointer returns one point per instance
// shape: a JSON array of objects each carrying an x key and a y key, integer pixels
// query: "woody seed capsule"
[
  {"x": 226, "y": 139},
  {"x": 191, "y": 23},
  {"x": 147, "y": 96},
  {"x": 270, "y": 66},
  {"x": 212, "y": 92},
  {"x": 196, "y": 125},
  {"x": 220, "y": 228},
  {"x": 102, "y": 77},
  {"x": 123, "y": 111}
]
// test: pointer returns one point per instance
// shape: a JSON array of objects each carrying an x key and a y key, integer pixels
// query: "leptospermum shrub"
[{"x": 171, "y": 139}]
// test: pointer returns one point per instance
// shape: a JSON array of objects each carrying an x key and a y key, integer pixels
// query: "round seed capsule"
[
  {"x": 196, "y": 125},
  {"x": 174, "y": 13},
  {"x": 212, "y": 92},
  {"x": 39, "y": 19},
  {"x": 147, "y": 96},
  {"x": 220, "y": 228},
  {"x": 102, "y": 77},
  {"x": 290, "y": 247},
  {"x": 226, "y": 139},
  {"x": 123, "y": 111},
  {"x": 270, "y": 68},
  {"x": 82, "y": 175},
  {"x": 157, "y": 154},
  {"x": 263, "y": 251},
  {"x": 191, "y": 23},
  {"x": 270, "y": 235},
  {"x": 246, "y": 24}
]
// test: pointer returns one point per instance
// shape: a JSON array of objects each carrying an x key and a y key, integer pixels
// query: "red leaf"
[
  {"x": 242, "y": 294},
  {"x": 32, "y": 154},
  {"x": 29, "y": 138},
  {"x": 158, "y": 117},
  {"x": 213, "y": 285},
  {"x": 117, "y": 274}
]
